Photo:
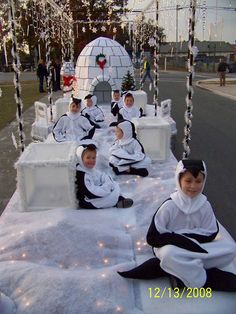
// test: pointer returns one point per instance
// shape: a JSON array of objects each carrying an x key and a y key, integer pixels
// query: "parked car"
[{"x": 232, "y": 67}]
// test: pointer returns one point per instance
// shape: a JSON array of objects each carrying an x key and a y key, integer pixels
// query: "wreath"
[{"x": 101, "y": 60}]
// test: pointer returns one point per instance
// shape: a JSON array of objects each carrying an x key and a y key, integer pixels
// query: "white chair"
[{"x": 42, "y": 125}]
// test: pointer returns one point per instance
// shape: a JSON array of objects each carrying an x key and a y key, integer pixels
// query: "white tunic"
[
  {"x": 94, "y": 186},
  {"x": 95, "y": 114},
  {"x": 127, "y": 151},
  {"x": 128, "y": 113},
  {"x": 183, "y": 235},
  {"x": 71, "y": 127}
]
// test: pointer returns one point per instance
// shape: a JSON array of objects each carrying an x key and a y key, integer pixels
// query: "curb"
[{"x": 198, "y": 84}]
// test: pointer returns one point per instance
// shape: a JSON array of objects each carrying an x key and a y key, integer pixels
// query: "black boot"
[
  {"x": 117, "y": 172},
  {"x": 148, "y": 270},
  {"x": 220, "y": 280},
  {"x": 142, "y": 172},
  {"x": 176, "y": 282},
  {"x": 124, "y": 202}
]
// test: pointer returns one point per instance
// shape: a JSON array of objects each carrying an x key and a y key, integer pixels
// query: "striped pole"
[
  {"x": 16, "y": 80},
  {"x": 188, "y": 113},
  {"x": 156, "y": 59}
]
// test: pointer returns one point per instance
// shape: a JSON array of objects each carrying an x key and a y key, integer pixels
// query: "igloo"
[{"x": 99, "y": 78}]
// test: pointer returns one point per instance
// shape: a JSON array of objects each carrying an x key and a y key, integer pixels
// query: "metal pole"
[{"x": 176, "y": 34}]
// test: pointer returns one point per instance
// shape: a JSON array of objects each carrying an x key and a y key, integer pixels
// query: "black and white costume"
[
  {"x": 128, "y": 152},
  {"x": 72, "y": 127},
  {"x": 127, "y": 113},
  {"x": 94, "y": 189},
  {"x": 94, "y": 114},
  {"x": 116, "y": 106},
  {"x": 183, "y": 234}
]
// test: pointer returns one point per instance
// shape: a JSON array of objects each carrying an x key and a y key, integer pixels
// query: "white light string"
[
  {"x": 48, "y": 58},
  {"x": 156, "y": 59},
  {"x": 141, "y": 50},
  {"x": 16, "y": 80}
]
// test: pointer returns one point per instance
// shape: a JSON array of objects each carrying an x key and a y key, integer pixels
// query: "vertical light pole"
[{"x": 189, "y": 105}]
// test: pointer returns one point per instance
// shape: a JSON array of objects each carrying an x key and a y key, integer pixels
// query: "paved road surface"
[{"x": 213, "y": 140}]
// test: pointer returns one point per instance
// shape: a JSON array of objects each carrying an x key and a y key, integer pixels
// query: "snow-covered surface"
[{"x": 64, "y": 261}]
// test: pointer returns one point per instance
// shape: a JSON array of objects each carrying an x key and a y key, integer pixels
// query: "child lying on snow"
[
  {"x": 93, "y": 112},
  {"x": 129, "y": 110},
  {"x": 183, "y": 236},
  {"x": 95, "y": 189},
  {"x": 72, "y": 126},
  {"x": 127, "y": 153}
]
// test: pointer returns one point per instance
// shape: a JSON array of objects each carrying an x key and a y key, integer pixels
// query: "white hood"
[
  {"x": 185, "y": 203},
  {"x": 79, "y": 153},
  {"x": 128, "y": 131}
]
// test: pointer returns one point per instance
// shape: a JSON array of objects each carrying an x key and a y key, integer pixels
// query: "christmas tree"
[{"x": 128, "y": 82}]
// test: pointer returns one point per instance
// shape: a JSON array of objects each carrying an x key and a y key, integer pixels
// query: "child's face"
[
  {"x": 74, "y": 108},
  {"x": 89, "y": 159},
  {"x": 89, "y": 102},
  {"x": 116, "y": 96},
  {"x": 129, "y": 102},
  {"x": 190, "y": 185},
  {"x": 119, "y": 133}
]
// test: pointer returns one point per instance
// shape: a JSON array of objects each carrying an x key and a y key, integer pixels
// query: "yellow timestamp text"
[{"x": 177, "y": 293}]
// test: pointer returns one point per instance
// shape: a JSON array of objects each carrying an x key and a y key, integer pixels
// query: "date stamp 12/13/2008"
[{"x": 177, "y": 293}]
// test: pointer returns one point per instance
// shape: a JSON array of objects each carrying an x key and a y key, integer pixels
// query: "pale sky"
[{"x": 220, "y": 24}]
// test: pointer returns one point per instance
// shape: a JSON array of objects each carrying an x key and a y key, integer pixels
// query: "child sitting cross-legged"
[
  {"x": 127, "y": 155},
  {"x": 185, "y": 239},
  {"x": 72, "y": 126},
  {"x": 93, "y": 112},
  {"x": 117, "y": 102},
  {"x": 129, "y": 110},
  {"x": 95, "y": 189}
]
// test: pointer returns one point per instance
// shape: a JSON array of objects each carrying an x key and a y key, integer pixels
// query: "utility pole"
[{"x": 176, "y": 34}]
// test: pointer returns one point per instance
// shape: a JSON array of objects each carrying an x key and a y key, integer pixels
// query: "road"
[{"x": 213, "y": 140}]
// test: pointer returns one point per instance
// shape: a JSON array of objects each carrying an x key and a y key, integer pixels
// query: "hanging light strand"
[
  {"x": 16, "y": 68},
  {"x": 48, "y": 58},
  {"x": 156, "y": 59},
  {"x": 134, "y": 43},
  {"x": 188, "y": 113},
  {"x": 141, "y": 50}
]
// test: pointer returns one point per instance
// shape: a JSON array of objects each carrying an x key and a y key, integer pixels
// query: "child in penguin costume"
[
  {"x": 72, "y": 126},
  {"x": 95, "y": 189},
  {"x": 184, "y": 237},
  {"x": 129, "y": 110},
  {"x": 93, "y": 112},
  {"x": 117, "y": 103},
  {"x": 127, "y": 155}
]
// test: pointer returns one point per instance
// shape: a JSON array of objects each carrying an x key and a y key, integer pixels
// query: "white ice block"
[
  {"x": 42, "y": 125},
  {"x": 46, "y": 176},
  {"x": 154, "y": 134},
  {"x": 140, "y": 99},
  {"x": 61, "y": 106}
]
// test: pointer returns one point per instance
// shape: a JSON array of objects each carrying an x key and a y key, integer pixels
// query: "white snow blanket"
[{"x": 65, "y": 261}]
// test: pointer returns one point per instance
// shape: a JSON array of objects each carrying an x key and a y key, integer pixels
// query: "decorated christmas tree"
[{"x": 128, "y": 82}]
